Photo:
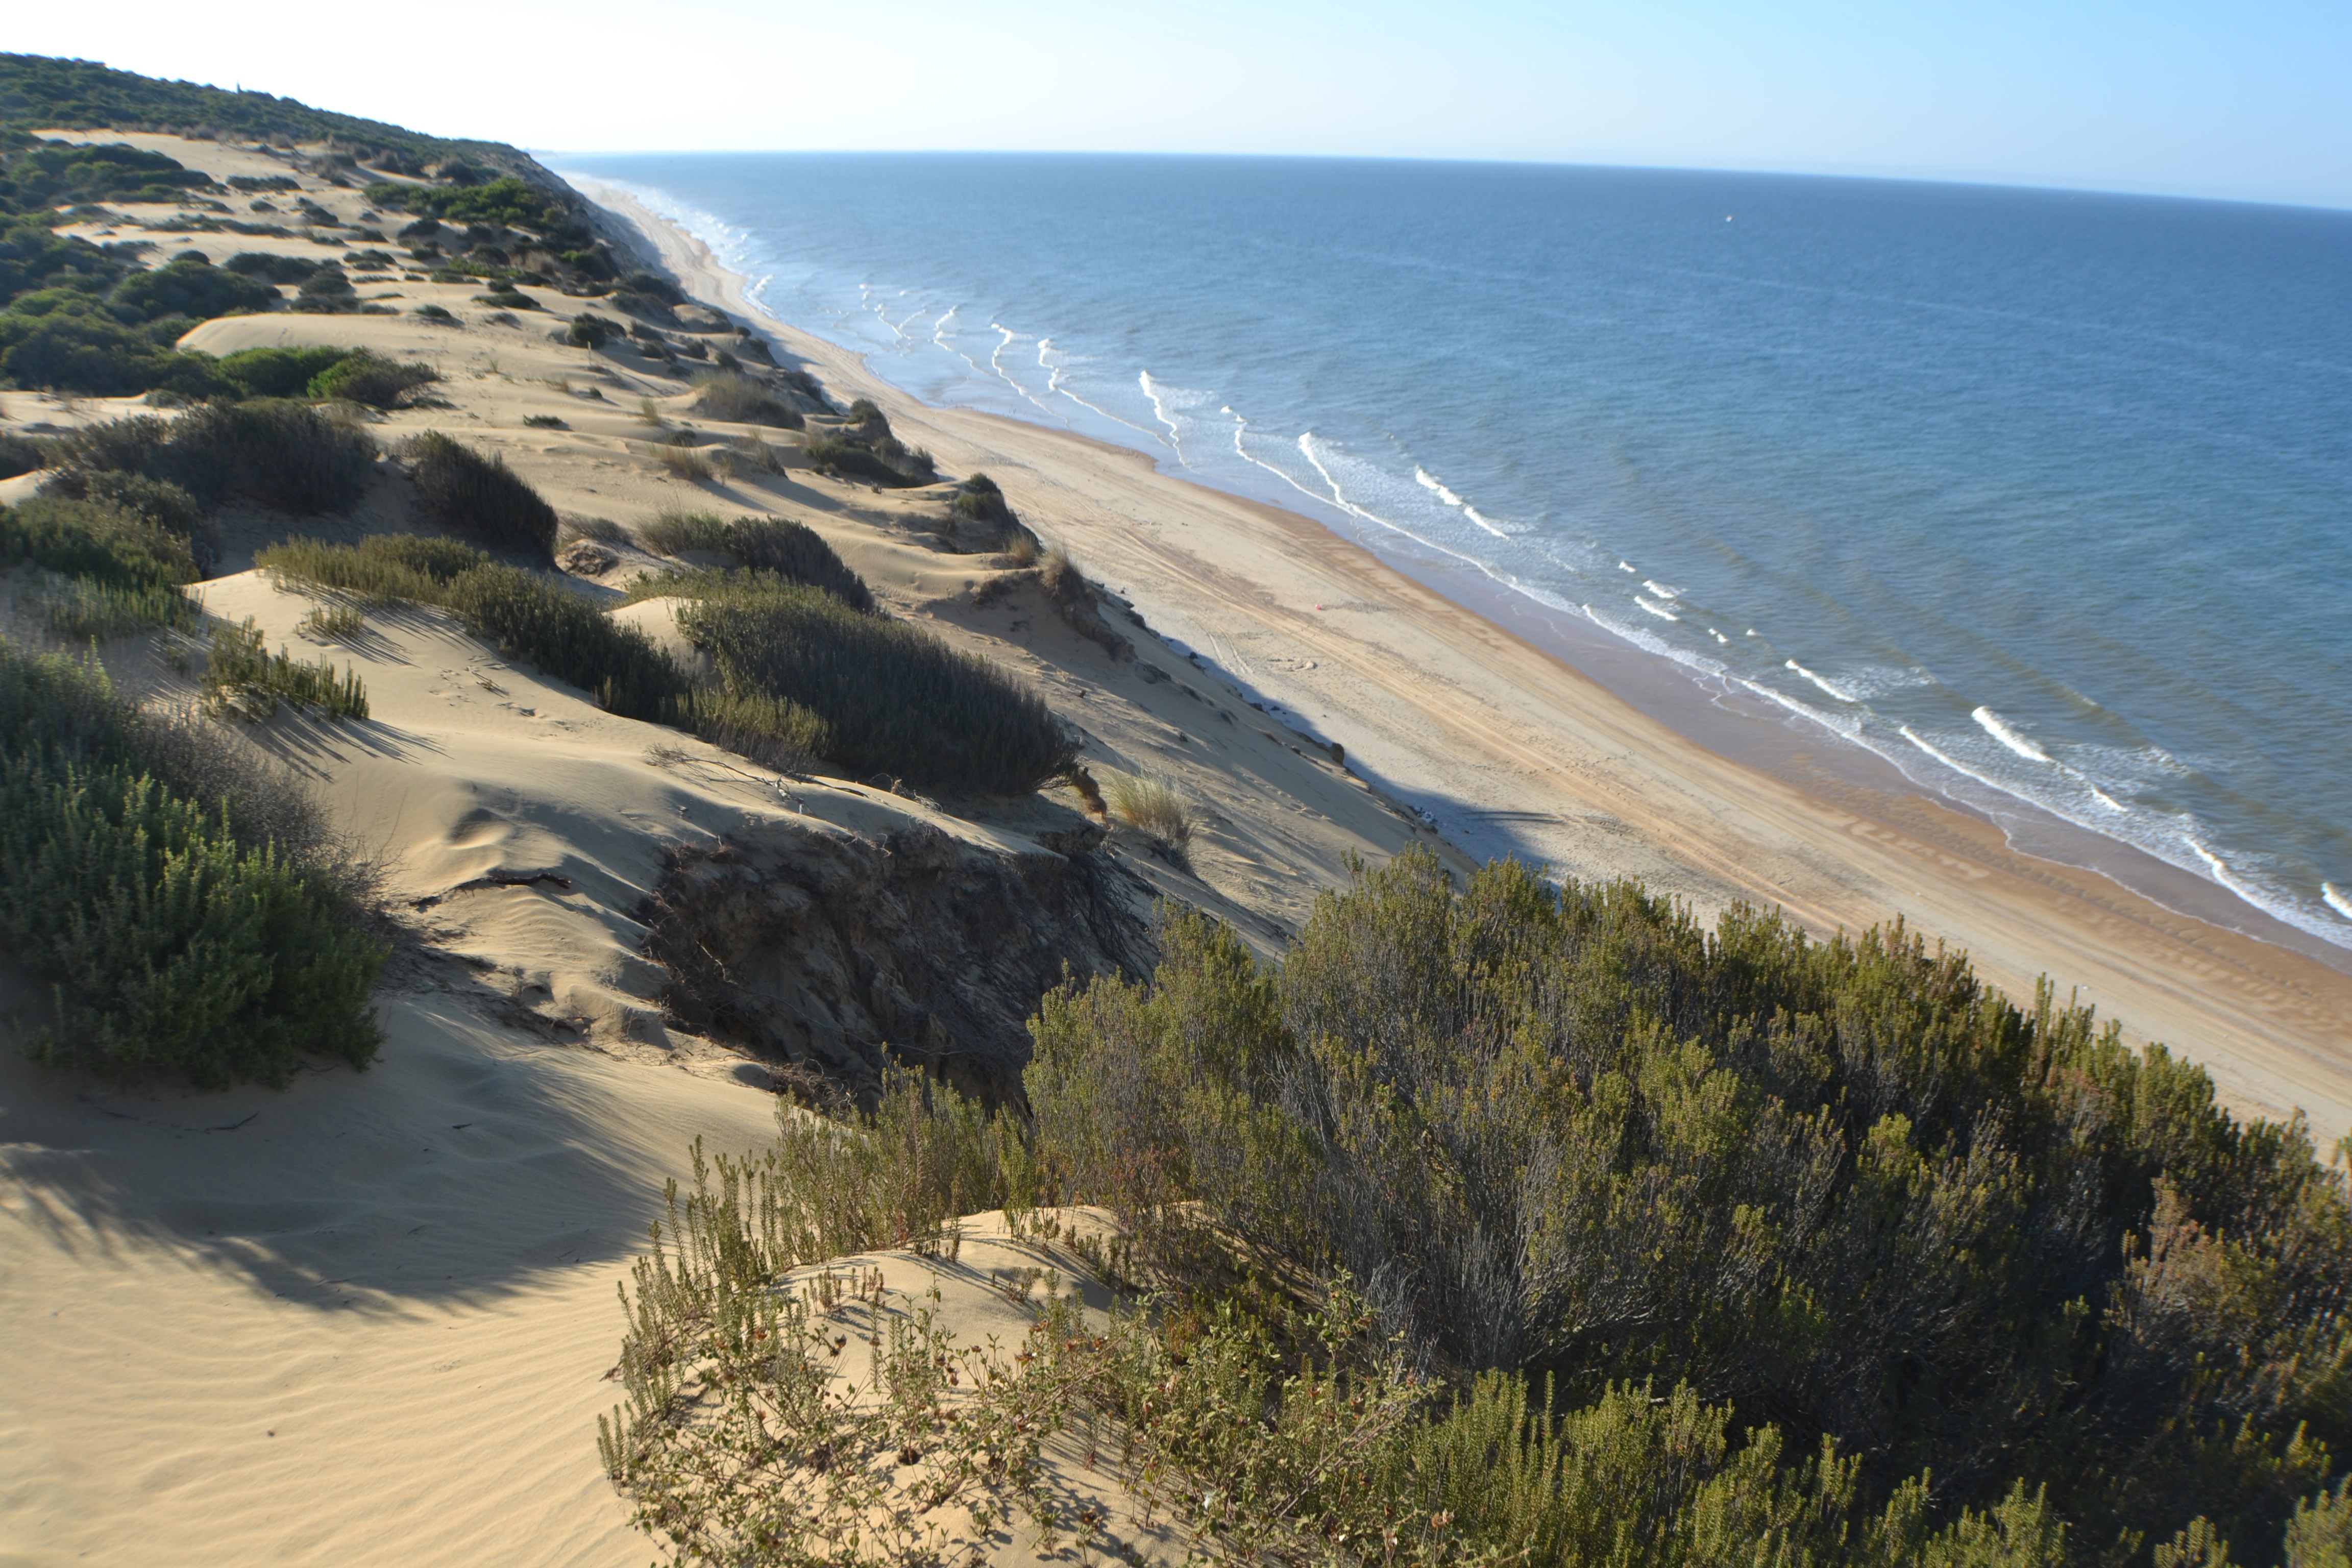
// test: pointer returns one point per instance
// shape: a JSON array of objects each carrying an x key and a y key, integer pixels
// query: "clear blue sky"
[{"x": 2250, "y": 100}]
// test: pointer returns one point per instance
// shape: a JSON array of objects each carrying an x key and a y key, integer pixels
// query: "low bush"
[
  {"x": 480, "y": 495},
  {"x": 769, "y": 730},
  {"x": 737, "y": 398},
  {"x": 507, "y": 299},
  {"x": 281, "y": 453},
  {"x": 895, "y": 698},
  {"x": 21, "y": 454},
  {"x": 189, "y": 287},
  {"x": 368, "y": 378},
  {"x": 242, "y": 674},
  {"x": 589, "y": 330},
  {"x": 684, "y": 532},
  {"x": 524, "y": 616},
  {"x": 271, "y": 266},
  {"x": 108, "y": 545},
  {"x": 777, "y": 546},
  {"x": 544, "y": 422},
  {"x": 176, "y": 937},
  {"x": 1510, "y": 1223},
  {"x": 276, "y": 372}
]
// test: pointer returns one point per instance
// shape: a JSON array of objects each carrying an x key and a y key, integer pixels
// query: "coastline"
[{"x": 1522, "y": 751}]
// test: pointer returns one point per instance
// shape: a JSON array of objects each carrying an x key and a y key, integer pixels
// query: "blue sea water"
[{"x": 2044, "y": 497}]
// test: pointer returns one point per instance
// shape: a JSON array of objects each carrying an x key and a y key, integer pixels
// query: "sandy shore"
[{"x": 1434, "y": 700}]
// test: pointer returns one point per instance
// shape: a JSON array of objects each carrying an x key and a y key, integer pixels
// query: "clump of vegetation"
[
  {"x": 107, "y": 545},
  {"x": 866, "y": 450},
  {"x": 741, "y": 399},
  {"x": 368, "y": 378},
  {"x": 522, "y": 616},
  {"x": 242, "y": 674},
  {"x": 281, "y": 453},
  {"x": 688, "y": 463},
  {"x": 21, "y": 454},
  {"x": 1154, "y": 804},
  {"x": 480, "y": 495},
  {"x": 333, "y": 623},
  {"x": 544, "y": 422},
  {"x": 897, "y": 700},
  {"x": 1519, "y": 1223},
  {"x": 507, "y": 297},
  {"x": 276, "y": 372},
  {"x": 590, "y": 330},
  {"x": 180, "y": 936},
  {"x": 790, "y": 550}
]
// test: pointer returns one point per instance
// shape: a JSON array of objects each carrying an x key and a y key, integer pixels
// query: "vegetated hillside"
[
  {"x": 43, "y": 92},
  {"x": 101, "y": 318},
  {"x": 1508, "y": 1224}
]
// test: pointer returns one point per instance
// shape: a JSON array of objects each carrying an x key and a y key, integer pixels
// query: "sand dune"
[{"x": 367, "y": 1319}]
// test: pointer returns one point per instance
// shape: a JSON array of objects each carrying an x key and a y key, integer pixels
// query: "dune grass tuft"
[
  {"x": 242, "y": 676},
  {"x": 1153, "y": 803}
]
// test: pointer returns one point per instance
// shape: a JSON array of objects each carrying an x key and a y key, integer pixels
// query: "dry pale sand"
[{"x": 1441, "y": 703}]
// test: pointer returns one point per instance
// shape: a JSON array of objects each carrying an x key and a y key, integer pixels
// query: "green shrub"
[
  {"x": 190, "y": 286},
  {"x": 895, "y": 698},
  {"x": 684, "y": 532},
  {"x": 568, "y": 638},
  {"x": 480, "y": 495},
  {"x": 241, "y": 673},
  {"x": 508, "y": 298},
  {"x": 776, "y": 546},
  {"x": 107, "y": 545},
  {"x": 276, "y": 372},
  {"x": 272, "y": 266},
  {"x": 366, "y": 377},
  {"x": 326, "y": 291},
  {"x": 544, "y": 422},
  {"x": 771, "y": 730},
  {"x": 173, "y": 942},
  {"x": 69, "y": 341},
  {"x": 21, "y": 454},
  {"x": 737, "y": 398},
  {"x": 281, "y": 453},
  {"x": 1567, "y": 1133},
  {"x": 589, "y": 330}
]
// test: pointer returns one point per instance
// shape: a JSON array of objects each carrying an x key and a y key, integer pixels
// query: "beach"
[{"x": 1429, "y": 698}]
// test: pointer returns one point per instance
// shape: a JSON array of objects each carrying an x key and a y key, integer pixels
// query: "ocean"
[{"x": 2044, "y": 498}]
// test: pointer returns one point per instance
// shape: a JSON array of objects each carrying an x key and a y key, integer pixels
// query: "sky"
[{"x": 2247, "y": 101}]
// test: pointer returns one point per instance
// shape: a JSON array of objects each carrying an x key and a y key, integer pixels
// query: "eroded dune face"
[{"x": 804, "y": 944}]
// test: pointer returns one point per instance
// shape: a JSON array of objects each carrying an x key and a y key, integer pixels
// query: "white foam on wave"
[
  {"x": 1660, "y": 611},
  {"x": 1625, "y": 566},
  {"x": 1837, "y": 724},
  {"x": 1437, "y": 487},
  {"x": 1058, "y": 383},
  {"x": 1647, "y": 641},
  {"x": 1006, "y": 337},
  {"x": 1429, "y": 481},
  {"x": 1168, "y": 406},
  {"x": 1321, "y": 455},
  {"x": 1993, "y": 724},
  {"x": 2336, "y": 900},
  {"x": 1660, "y": 589},
  {"x": 1831, "y": 687}
]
